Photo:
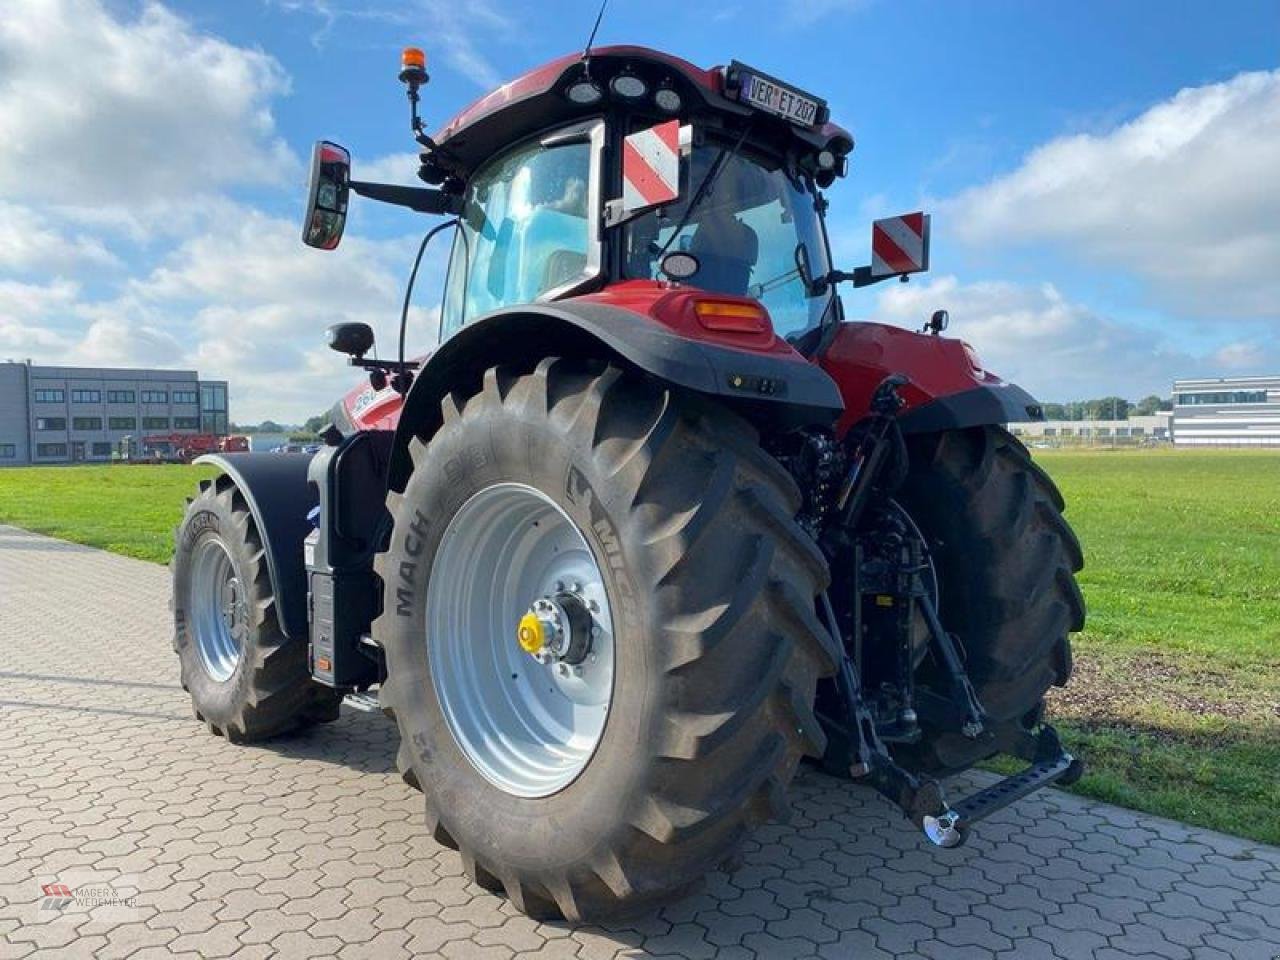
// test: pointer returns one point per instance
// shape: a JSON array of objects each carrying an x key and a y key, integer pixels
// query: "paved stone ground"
[{"x": 312, "y": 846}]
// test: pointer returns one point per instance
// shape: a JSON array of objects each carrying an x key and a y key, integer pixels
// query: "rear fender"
[
  {"x": 279, "y": 497},
  {"x": 948, "y": 388},
  {"x": 773, "y": 390}
]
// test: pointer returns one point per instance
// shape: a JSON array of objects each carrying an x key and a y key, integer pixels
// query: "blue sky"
[{"x": 1104, "y": 177}]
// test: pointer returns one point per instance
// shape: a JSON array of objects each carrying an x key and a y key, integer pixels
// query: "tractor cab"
[{"x": 623, "y": 170}]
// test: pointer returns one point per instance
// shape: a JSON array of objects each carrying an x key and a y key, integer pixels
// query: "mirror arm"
[
  {"x": 859, "y": 277},
  {"x": 385, "y": 365},
  {"x": 415, "y": 198}
]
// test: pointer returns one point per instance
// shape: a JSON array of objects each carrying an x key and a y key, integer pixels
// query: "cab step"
[{"x": 366, "y": 702}]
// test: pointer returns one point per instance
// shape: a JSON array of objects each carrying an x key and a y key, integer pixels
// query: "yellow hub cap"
[{"x": 530, "y": 634}]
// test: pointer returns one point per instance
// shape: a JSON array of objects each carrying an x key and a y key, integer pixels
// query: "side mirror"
[
  {"x": 327, "y": 196},
  {"x": 353, "y": 339}
]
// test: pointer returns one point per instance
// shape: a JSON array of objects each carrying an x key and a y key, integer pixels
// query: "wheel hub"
[{"x": 558, "y": 628}]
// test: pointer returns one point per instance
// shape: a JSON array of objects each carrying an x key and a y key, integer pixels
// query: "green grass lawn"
[
  {"x": 126, "y": 508},
  {"x": 1176, "y": 699}
]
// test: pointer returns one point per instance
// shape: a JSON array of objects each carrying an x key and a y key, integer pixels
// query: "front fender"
[
  {"x": 947, "y": 388},
  {"x": 279, "y": 497},
  {"x": 768, "y": 388}
]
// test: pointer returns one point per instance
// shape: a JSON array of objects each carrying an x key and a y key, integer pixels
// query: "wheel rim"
[
  {"x": 219, "y": 610},
  {"x": 529, "y": 727}
]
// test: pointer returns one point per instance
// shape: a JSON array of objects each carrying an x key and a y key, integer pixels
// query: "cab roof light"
[
  {"x": 732, "y": 316},
  {"x": 584, "y": 91},
  {"x": 628, "y": 86},
  {"x": 666, "y": 99}
]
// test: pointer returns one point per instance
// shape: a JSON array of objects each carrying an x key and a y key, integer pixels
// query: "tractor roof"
[{"x": 537, "y": 100}]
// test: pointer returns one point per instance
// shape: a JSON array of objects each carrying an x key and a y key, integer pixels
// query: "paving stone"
[{"x": 311, "y": 845}]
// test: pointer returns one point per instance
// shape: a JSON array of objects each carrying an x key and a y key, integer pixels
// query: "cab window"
[{"x": 525, "y": 232}]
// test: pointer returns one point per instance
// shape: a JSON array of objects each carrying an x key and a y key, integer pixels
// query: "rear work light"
[{"x": 732, "y": 316}]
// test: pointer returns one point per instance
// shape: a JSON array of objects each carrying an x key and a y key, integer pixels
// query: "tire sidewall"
[
  {"x": 208, "y": 518},
  {"x": 466, "y": 457}
]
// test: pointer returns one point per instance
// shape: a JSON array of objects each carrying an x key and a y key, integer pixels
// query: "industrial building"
[
  {"x": 1227, "y": 412},
  {"x": 54, "y": 415},
  {"x": 1066, "y": 433}
]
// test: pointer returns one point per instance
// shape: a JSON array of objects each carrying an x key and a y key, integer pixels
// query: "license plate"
[{"x": 765, "y": 93}]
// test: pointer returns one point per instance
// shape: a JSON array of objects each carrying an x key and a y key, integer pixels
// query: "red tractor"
[{"x": 650, "y": 522}]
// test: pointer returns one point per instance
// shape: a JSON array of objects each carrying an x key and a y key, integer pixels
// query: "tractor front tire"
[
  {"x": 715, "y": 650},
  {"x": 1005, "y": 560},
  {"x": 247, "y": 680}
]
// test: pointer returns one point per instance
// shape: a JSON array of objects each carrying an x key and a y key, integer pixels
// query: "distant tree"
[
  {"x": 1055, "y": 411},
  {"x": 1149, "y": 405},
  {"x": 314, "y": 424},
  {"x": 270, "y": 426},
  {"x": 1075, "y": 410},
  {"x": 1107, "y": 408}
]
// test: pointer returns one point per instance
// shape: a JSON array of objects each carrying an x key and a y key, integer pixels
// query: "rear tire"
[
  {"x": 247, "y": 680},
  {"x": 716, "y": 647},
  {"x": 1006, "y": 561}
]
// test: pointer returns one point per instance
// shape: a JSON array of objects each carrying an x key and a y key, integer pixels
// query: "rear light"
[{"x": 732, "y": 316}]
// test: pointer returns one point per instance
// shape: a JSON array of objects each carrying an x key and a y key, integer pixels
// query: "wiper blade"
[{"x": 704, "y": 188}]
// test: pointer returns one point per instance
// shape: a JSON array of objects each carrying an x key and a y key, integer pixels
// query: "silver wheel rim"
[
  {"x": 219, "y": 609},
  {"x": 529, "y": 727}
]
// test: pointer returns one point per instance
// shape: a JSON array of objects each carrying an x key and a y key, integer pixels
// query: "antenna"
[{"x": 586, "y": 51}]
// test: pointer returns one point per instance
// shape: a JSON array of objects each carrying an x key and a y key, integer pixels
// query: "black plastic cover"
[{"x": 279, "y": 497}]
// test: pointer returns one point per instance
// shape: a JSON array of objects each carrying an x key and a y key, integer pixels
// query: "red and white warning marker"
[
  {"x": 651, "y": 166},
  {"x": 900, "y": 245}
]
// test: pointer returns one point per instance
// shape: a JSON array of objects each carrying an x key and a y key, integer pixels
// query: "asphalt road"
[{"x": 171, "y": 842}]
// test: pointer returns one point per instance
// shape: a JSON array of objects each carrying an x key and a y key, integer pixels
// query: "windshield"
[{"x": 749, "y": 232}]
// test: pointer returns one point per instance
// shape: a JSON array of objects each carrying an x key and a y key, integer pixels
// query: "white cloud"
[
  {"x": 1185, "y": 195},
  {"x": 458, "y": 32},
  {"x": 1059, "y": 349},
  {"x": 97, "y": 110},
  {"x": 242, "y": 300},
  {"x": 401, "y": 168},
  {"x": 33, "y": 300},
  {"x": 247, "y": 257},
  {"x": 29, "y": 241}
]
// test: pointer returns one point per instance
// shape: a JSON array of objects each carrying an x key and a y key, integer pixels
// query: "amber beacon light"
[{"x": 413, "y": 66}]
